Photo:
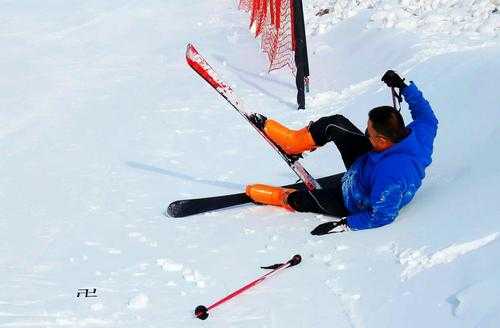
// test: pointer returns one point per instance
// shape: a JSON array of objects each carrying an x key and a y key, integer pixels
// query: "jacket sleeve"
[
  {"x": 386, "y": 197},
  {"x": 424, "y": 121}
]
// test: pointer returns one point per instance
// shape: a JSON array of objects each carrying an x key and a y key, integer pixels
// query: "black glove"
[
  {"x": 331, "y": 227},
  {"x": 258, "y": 119},
  {"x": 393, "y": 80}
]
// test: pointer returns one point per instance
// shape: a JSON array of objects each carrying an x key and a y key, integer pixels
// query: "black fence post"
[{"x": 301, "y": 60}]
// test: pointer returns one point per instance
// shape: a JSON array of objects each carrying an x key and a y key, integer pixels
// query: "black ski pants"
[{"x": 351, "y": 143}]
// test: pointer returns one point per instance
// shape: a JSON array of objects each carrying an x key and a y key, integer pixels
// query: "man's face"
[{"x": 379, "y": 142}]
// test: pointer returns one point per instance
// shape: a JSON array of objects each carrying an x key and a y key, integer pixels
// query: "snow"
[
  {"x": 138, "y": 302},
  {"x": 103, "y": 124},
  {"x": 415, "y": 261}
]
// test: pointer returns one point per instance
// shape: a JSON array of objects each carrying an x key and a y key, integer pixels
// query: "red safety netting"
[{"x": 272, "y": 19}]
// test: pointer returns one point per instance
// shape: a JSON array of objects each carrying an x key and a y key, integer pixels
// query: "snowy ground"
[{"x": 102, "y": 124}]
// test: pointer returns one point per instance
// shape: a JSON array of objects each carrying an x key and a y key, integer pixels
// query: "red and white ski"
[{"x": 201, "y": 66}]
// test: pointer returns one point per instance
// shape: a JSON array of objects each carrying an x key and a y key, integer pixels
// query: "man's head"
[{"x": 385, "y": 127}]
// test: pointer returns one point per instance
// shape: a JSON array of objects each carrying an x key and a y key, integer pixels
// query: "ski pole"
[
  {"x": 201, "y": 311},
  {"x": 396, "y": 96}
]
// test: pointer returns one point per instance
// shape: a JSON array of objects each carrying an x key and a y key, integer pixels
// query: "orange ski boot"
[
  {"x": 269, "y": 195},
  {"x": 293, "y": 142}
]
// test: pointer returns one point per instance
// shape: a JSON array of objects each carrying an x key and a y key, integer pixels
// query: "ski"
[
  {"x": 201, "y": 66},
  {"x": 187, "y": 207}
]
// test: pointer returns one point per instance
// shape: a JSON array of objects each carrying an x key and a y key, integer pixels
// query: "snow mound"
[
  {"x": 416, "y": 261},
  {"x": 138, "y": 302}
]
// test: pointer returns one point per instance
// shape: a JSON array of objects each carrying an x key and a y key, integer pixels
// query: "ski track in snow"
[
  {"x": 348, "y": 300},
  {"x": 66, "y": 32}
]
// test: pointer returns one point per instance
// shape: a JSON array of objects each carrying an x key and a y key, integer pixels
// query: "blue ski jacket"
[{"x": 379, "y": 184}]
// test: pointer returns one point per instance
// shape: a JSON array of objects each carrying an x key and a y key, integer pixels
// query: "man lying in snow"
[{"x": 385, "y": 165}]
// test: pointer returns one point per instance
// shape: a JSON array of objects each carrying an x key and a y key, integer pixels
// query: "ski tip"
[
  {"x": 173, "y": 210},
  {"x": 201, "y": 312},
  {"x": 190, "y": 50}
]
